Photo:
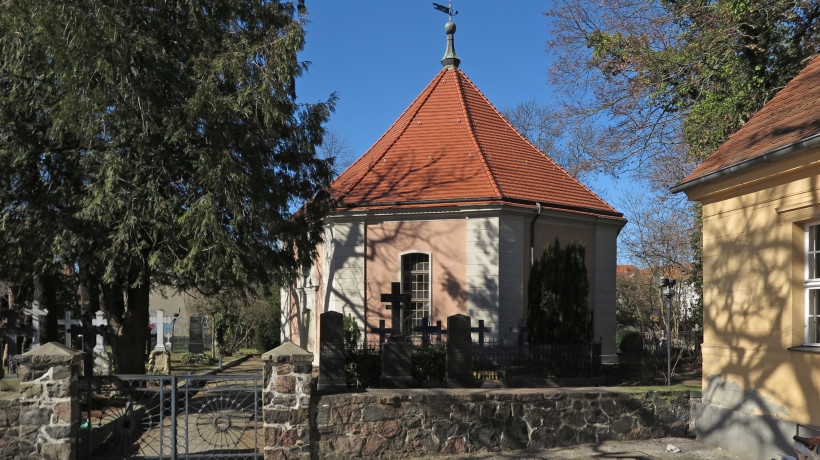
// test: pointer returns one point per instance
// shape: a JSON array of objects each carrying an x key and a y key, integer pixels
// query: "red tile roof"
[
  {"x": 452, "y": 147},
  {"x": 792, "y": 115}
]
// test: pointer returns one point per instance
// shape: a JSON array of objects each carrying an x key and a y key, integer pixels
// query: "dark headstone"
[
  {"x": 396, "y": 364},
  {"x": 459, "y": 352},
  {"x": 196, "y": 344},
  {"x": 332, "y": 352}
]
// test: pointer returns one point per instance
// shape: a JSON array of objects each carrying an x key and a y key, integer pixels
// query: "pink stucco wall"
[{"x": 443, "y": 239}]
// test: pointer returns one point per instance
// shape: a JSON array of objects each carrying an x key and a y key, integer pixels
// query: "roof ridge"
[
  {"x": 511, "y": 127},
  {"x": 471, "y": 128},
  {"x": 422, "y": 98}
]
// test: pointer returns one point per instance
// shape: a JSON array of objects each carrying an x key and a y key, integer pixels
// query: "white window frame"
[
  {"x": 429, "y": 306},
  {"x": 809, "y": 284}
]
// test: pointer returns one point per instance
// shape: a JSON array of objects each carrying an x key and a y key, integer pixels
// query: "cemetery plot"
[{"x": 161, "y": 417}]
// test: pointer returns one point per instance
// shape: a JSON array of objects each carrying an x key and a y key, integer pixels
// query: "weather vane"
[{"x": 446, "y": 9}]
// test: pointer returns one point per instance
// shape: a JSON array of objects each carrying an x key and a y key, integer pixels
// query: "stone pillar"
[
  {"x": 286, "y": 402},
  {"x": 49, "y": 403}
]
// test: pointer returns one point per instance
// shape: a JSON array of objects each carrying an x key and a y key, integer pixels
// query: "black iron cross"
[
  {"x": 381, "y": 330},
  {"x": 426, "y": 330},
  {"x": 395, "y": 299},
  {"x": 89, "y": 333},
  {"x": 446, "y": 9},
  {"x": 481, "y": 330}
]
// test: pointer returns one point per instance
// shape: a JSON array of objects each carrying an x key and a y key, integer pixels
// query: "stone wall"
[
  {"x": 417, "y": 423},
  {"x": 9, "y": 424}
]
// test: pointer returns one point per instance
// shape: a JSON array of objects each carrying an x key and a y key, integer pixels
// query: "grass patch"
[{"x": 644, "y": 389}]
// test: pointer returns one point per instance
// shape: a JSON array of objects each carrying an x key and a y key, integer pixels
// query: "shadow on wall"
[{"x": 747, "y": 289}]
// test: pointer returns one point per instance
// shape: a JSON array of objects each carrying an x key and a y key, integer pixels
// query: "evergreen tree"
[
  {"x": 158, "y": 143},
  {"x": 557, "y": 309}
]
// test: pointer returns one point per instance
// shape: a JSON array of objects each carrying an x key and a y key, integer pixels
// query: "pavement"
[{"x": 650, "y": 449}]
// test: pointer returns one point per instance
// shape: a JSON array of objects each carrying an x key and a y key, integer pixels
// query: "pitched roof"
[
  {"x": 452, "y": 147},
  {"x": 791, "y": 116}
]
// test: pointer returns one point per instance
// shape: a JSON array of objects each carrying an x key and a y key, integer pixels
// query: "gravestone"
[
  {"x": 459, "y": 352},
  {"x": 36, "y": 314},
  {"x": 426, "y": 331},
  {"x": 159, "y": 322},
  {"x": 196, "y": 342},
  {"x": 398, "y": 351},
  {"x": 332, "y": 352},
  {"x": 90, "y": 332}
]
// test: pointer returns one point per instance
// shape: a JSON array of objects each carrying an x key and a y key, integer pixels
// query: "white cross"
[
  {"x": 159, "y": 321},
  {"x": 99, "y": 320}
]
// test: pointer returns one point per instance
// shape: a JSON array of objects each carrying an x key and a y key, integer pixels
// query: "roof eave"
[{"x": 768, "y": 157}]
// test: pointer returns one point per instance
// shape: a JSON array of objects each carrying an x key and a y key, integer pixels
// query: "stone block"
[
  {"x": 284, "y": 369},
  {"x": 273, "y": 416},
  {"x": 374, "y": 446},
  {"x": 285, "y": 384},
  {"x": 65, "y": 412},
  {"x": 31, "y": 390},
  {"x": 35, "y": 416},
  {"x": 57, "y": 451}
]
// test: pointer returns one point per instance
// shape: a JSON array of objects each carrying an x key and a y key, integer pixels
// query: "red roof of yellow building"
[
  {"x": 790, "y": 117},
  {"x": 452, "y": 147}
]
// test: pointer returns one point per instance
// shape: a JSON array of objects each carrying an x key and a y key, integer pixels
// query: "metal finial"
[{"x": 450, "y": 58}]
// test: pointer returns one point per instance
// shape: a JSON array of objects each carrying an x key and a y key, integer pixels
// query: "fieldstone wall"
[
  {"x": 418, "y": 423},
  {"x": 49, "y": 406},
  {"x": 9, "y": 424}
]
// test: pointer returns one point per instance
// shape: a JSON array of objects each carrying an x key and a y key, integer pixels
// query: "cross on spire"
[{"x": 450, "y": 59}]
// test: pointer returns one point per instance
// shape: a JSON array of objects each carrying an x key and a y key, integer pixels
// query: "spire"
[{"x": 450, "y": 59}]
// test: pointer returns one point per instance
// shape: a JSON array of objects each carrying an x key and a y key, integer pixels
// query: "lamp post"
[{"x": 667, "y": 284}]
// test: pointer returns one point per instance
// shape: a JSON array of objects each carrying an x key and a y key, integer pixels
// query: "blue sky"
[{"x": 377, "y": 56}]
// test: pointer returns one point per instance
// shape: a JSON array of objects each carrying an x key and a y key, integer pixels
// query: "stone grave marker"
[
  {"x": 381, "y": 330},
  {"x": 427, "y": 330},
  {"x": 102, "y": 360},
  {"x": 397, "y": 352},
  {"x": 481, "y": 330},
  {"x": 332, "y": 352},
  {"x": 196, "y": 342},
  {"x": 36, "y": 313},
  {"x": 459, "y": 352}
]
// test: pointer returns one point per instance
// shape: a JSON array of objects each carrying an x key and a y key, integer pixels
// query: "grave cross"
[
  {"x": 100, "y": 323},
  {"x": 426, "y": 330},
  {"x": 395, "y": 299},
  {"x": 67, "y": 324},
  {"x": 481, "y": 330},
  {"x": 89, "y": 330},
  {"x": 159, "y": 321},
  {"x": 14, "y": 326},
  {"x": 381, "y": 330}
]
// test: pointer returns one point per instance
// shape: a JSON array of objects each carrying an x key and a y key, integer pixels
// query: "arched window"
[{"x": 415, "y": 280}]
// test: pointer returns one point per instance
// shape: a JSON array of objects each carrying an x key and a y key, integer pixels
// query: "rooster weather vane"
[{"x": 446, "y": 9}]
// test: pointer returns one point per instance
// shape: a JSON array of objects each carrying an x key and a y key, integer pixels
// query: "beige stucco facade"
[
  {"x": 479, "y": 266},
  {"x": 758, "y": 379}
]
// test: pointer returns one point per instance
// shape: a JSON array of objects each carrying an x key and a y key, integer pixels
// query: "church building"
[{"x": 453, "y": 203}]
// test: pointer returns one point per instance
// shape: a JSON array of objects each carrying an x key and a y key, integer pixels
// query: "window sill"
[{"x": 806, "y": 349}]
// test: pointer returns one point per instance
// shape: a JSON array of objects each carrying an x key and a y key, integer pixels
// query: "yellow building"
[{"x": 761, "y": 272}]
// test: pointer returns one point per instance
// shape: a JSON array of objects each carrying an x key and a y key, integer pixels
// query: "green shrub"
[
  {"x": 197, "y": 359},
  {"x": 429, "y": 364},
  {"x": 629, "y": 341}
]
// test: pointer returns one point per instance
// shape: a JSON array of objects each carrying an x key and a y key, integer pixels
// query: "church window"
[
  {"x": 416, "y": 282},
  {"x": 811, "y": 285}
]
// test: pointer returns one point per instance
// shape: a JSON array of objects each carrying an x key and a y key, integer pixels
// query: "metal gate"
[{"x": 170, "y": 417}]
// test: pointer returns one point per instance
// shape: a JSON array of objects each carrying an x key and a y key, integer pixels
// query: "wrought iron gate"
[{"x": 170, "y": 417}]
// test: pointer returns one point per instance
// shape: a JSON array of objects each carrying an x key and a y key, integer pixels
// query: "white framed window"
[
  {"x": 415, "y": 280},
  {"x": 811, "y": 285}
]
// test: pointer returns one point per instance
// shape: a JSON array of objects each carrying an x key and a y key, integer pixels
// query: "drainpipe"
[{"x": 532, "y": 233}]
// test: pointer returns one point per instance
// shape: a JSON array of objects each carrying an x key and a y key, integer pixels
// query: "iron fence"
[{"x": 170, "y": 417}]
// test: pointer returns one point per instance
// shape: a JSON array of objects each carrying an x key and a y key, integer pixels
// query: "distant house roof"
[
  {"x": 452, "y": 147},
  {"x": 787, "y": 124}
]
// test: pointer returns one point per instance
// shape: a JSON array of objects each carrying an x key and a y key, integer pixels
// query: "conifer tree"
[
  {"x": 158, "y": 143},
  {"x": 558, "y": 311}
]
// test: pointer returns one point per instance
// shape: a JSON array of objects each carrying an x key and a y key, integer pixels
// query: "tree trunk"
[
  {"x": 45, "y": 293},
  {"x": 127, "y": 326}
]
